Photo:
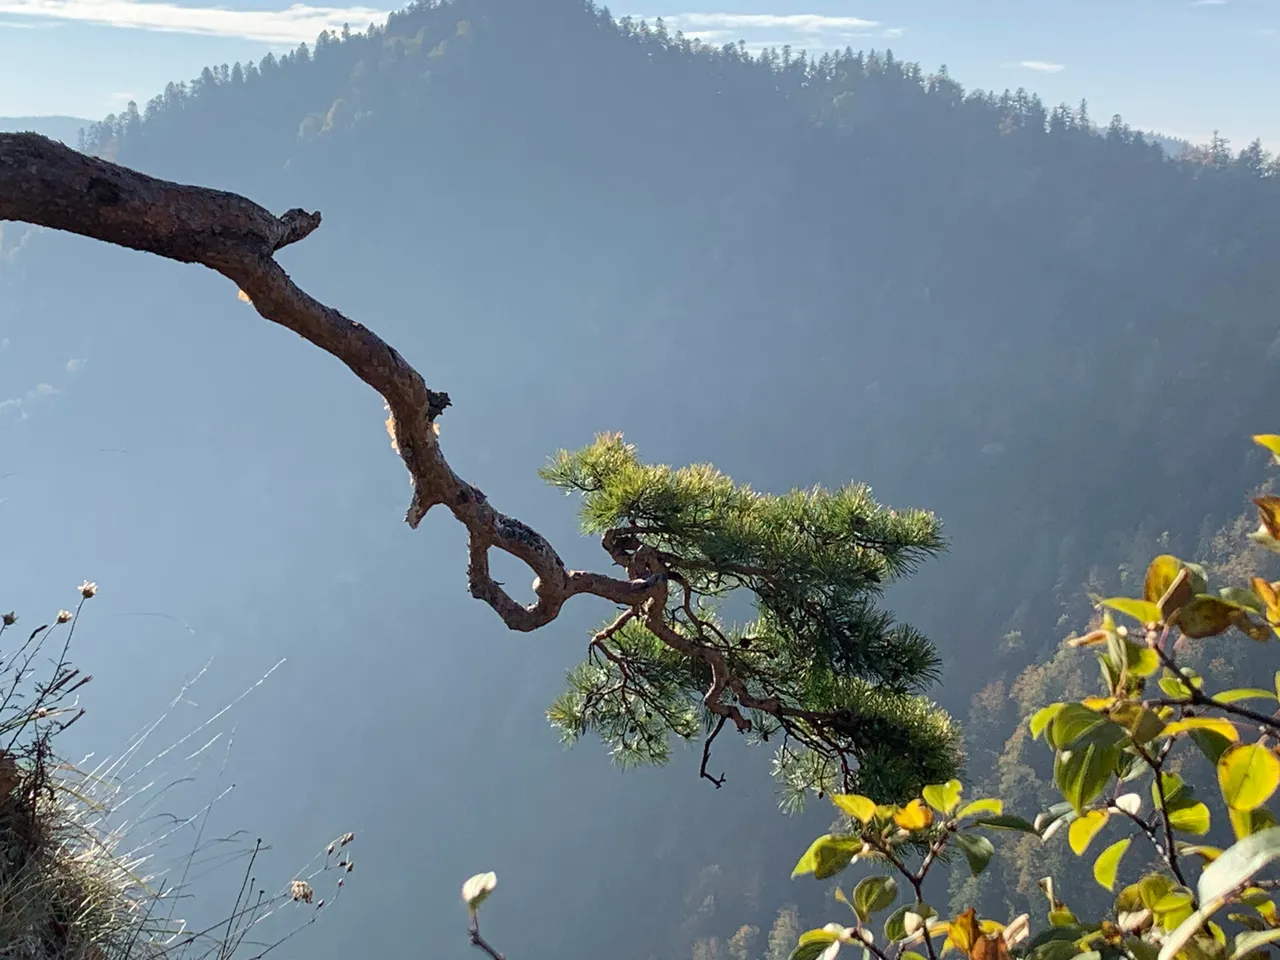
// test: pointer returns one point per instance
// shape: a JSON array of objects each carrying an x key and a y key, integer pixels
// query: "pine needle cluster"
[{"x": 822, "y": 670}]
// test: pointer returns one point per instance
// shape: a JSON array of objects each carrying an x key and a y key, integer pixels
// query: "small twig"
[
  {"x": 481, "y": 942},
  {"x": 706, "y": 754}
]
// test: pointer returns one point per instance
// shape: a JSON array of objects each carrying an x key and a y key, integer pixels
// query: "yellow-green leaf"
[
  {"x": 1245, "y": 823},
  {"x": 1269, "y": 441},
  {"x": 862, "y": 809},
  {"x": 827, "y": 856},
  {"x": 1248, "y": 774},
  {"x": 1205, "y": 853},
  {"x": 1191, "y": 818},
  {"x": 1085, "y": 829},
  {"x": 1160, "y": 576},
  {"x": 1108, "y": 863},
  {"x": 1244, "y": 693},
  {"x": 987, "y": 806},
  {"x": 1044, "y": 716},
  {"x": 1144, "y": 611},
  {"x": 1218, "y": 725},
  {"x": 943, "y": 797}
]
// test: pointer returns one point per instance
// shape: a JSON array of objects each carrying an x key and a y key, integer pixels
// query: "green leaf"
[
  {"x": 1083, "y": 830},
  {"x": 814, "y": 943},
  {"x": 1242, "y": 597},
  {"x": 1006, "y": 821},
  {"x": 873, "y": 894},
  {"x": 1245, "y": 823},
  {"x": 943, "y": 797},
  {"x": 1199, "y": 577},
  {"x": 1161, "y": 573},
  {"x": 977, "y": 849},
  {"x": 827, "y": 856},
  {"x": 1192, "y": 818},
  {"x": 1082, "y": 772},
  {"x": 1108, "y": 863},
  {"x": 1211, "y": 743},
  {"x": 1248, "y": 774},
  {"x": 1206, "y": 616},
  {"x": 987, "y": 805},
  {"x": 1144, "y": 611},
  {"x": 895, "y": 927},
  {"x": 1071, "y": 723},
  {"x": 1176, "y": 790},
  {"x": 1238, "y": 864},
  {"x": 1174, "y": 687},
  {"x": 1143, "y": 661},
  {"x": 1055, "y": 950},
  {"x": 1245, "y": 942},
  {"x": 1044, "y": 716}
]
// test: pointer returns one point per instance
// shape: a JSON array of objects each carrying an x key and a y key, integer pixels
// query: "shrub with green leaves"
[
  {"x": 821, "y": 670},
  {"x": 1116, "y": 763}
]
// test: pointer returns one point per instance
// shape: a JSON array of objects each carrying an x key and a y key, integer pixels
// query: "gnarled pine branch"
[{"x": 45, "y": 183}]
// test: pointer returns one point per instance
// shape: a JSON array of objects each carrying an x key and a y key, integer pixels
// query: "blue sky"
[{"x": 1182, "y": 67}]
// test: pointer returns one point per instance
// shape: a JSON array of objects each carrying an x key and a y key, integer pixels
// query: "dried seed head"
[
  {"x": 301, "y": 891},
  {"x": 345, "y": 839},
  {"x": 64, "y": 616},
  {"x": 88, "y": 589},
  {"x": 9, "y": 619}
]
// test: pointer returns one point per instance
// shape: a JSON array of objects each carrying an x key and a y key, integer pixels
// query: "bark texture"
[{"x": 46, "y": 183}]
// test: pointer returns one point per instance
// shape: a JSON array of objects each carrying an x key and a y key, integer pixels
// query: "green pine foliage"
[{"x": 847, "y": 678}]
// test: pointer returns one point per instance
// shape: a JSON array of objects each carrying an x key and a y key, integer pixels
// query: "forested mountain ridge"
[{"x": 802, "y": 271}]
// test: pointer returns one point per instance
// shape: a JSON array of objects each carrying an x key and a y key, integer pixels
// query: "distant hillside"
[
  {"x": 1173, "y": 146},
  {"x": 804, "y": 271},
  {"x": 66, "y": 129}
]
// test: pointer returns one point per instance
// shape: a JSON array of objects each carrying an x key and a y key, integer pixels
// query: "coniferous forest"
[{"x": 1032, "y": 322}]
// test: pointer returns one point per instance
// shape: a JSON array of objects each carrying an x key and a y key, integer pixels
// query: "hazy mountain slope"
[
  {"x": 803, "y": 274},
  {"x": 66, "y": 129}
]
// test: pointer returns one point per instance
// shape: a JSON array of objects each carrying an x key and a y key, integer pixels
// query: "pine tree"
[{"x": 821, "y": 670}]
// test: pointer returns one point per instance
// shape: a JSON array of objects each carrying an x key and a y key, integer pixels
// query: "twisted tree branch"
[{"x": 44, "y": 183}]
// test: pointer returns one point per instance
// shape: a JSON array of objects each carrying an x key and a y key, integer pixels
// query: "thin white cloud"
[
  {"x": 892, "y": 33},
  {"x": 1042, "y": 66},
  {"x": 294, "y": 24},
  {"x": 1208, "y": 3},
  {"x": 25, "y": 25},
  {"x": 797, "y": 22},
  {"x": 75, "y": 365}
]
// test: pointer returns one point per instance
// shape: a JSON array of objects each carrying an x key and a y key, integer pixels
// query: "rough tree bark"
[{"x": 45, "y": 183}]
